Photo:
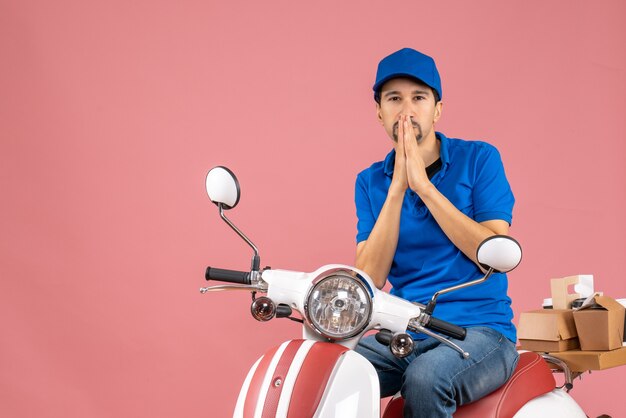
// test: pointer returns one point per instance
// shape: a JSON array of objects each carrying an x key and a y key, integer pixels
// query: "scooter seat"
[{"x": 532, "y": 377}]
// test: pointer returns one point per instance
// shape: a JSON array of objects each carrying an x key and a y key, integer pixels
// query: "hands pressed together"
[{"x": 409, "y": 169}]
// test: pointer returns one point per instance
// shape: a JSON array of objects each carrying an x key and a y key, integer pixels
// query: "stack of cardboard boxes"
[{"x": 590, "y": 337}]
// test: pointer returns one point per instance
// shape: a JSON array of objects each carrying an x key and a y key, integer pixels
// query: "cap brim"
[{"x": 380, "y": 83}]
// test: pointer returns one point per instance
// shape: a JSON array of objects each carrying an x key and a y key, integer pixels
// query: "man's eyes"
[{"x": 397, "y": 98}]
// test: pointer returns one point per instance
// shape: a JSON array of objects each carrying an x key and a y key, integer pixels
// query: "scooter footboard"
[{"x": 305, "y": 378}]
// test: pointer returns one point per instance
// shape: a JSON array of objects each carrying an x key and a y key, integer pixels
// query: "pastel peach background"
[{"x": 111, "y": 113}]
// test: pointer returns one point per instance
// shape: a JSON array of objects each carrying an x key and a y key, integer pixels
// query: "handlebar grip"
[
  {"x": 446, "y": 328},
  {"x": 231, "y": 276},
  {"x": 384, "y": 336}
]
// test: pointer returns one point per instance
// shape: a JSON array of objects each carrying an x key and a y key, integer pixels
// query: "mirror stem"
[
  {"x": 256, "y": 260},
  {"x": 431, "y": 305}
]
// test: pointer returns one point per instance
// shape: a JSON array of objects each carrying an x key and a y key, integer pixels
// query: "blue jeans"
[{"x": 435, "y": 378}]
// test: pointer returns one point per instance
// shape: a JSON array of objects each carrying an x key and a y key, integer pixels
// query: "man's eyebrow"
[{"x": 391, "y": 92}]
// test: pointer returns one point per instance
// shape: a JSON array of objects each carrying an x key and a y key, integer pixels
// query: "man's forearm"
[
  {"x": 465, "y": 233},
  {"x": 375, "y": 255}
]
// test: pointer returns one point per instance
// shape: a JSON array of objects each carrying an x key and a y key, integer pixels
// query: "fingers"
[
  {"x": 400, "y": 136},
  {"x": 400, "y": 181},
  {"x": 416, "y": 172},
  {"x": 400, "y": 153},
  {"x": 410, "y": 144}
]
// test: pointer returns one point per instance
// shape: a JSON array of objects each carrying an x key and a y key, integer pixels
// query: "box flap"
[
  {"x": 549, "y": 346},
  {"x": 547, "y": 324},
  {"x": 604, "y": 301},
  {"x": 566, "y": 325},
  {"x": 609, "y": 303}
]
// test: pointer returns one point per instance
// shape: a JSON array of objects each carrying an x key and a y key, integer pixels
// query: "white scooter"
[{"x": 321, "y": 375}]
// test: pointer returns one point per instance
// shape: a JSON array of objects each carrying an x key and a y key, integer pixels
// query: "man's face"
[{"x": 406, "y": 96}]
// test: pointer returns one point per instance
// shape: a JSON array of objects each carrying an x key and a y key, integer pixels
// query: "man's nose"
[
  {"x": 410, "y": 114},
  {"x": 407, "y": 108}
]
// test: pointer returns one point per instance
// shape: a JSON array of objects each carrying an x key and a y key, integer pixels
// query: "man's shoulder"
[
  {"x": 470, "y": 144},
  {"x": 376, "y": 169},
  {"x": 378, "y": 166},
  {"x": 470, "y": 149}
]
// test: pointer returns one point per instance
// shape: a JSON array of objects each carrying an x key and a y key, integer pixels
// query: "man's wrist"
[
  {"x": 396, "y": 191},
  {"x": 425, "y": 190}
]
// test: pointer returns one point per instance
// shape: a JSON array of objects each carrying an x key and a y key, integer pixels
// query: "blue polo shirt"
[{"x": 472, "y": 178}]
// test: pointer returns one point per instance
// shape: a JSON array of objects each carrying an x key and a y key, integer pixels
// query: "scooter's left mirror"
[{"x": 222, "y": 187}]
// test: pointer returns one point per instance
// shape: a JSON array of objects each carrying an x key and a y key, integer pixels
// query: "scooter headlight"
[{"x": 338, "y": 306}]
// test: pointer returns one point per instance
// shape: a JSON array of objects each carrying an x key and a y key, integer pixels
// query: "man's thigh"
[
  {"x": 388, "y": 367},
  {"x": 491, "y": 362}
]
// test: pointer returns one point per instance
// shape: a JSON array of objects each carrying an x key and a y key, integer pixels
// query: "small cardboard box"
[
  {"x": 600, "y": 327},
  {"x": 581, "y": 361},
  {"x": 547, "y": 330},
  {"x": 544, "y": 346}
]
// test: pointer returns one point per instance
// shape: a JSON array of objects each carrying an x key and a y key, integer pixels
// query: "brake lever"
[
  {"x": 416, "y": 327},
  {"x": 219, "y": 288}
]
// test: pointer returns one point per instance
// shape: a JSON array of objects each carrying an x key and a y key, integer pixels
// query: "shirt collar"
[{"x": 444, "y": 154}]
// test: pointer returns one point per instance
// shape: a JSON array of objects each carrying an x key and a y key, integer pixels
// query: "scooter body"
[
  {"x": 557, "y": 404},
  {"x": 310, "y": 377},
  {"x": 321, "y": 375},
  {"x": 305, "y": 378}
]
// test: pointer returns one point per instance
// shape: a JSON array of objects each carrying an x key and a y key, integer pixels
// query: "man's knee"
[{"x": 425, "y": 377}]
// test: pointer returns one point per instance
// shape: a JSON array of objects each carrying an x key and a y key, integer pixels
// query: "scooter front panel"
[
  {"x": 276, "y": 370},
  {"x": 315, "y": 375},
  {"x": 352, "y": 391},
  {"x": 244, "y": 390},
  {"x": 259, "y": 383},
  {"x": 289, "y": 380},
  {"x": 277, "y": 381}
]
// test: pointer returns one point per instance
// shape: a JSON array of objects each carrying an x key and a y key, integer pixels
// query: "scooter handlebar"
[
  {"x": 231, "y": 276},
  {"x": 446, "y": 328}
]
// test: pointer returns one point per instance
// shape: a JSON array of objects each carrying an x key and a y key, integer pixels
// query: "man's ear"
[
  {"x": 438, "y": 110},
  {"x": 378, "y": 113}
]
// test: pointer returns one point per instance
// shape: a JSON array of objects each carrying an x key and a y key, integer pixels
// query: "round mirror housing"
[
  {"x": 500, "y": 252},
  {"x": 222, "y": 187}
]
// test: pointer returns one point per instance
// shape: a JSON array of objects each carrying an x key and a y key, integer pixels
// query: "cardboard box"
[
  {"x": 549, "y": 346},
  {"x": 600, "y": 327},
  {"x": 547, "y": 330},
  {"x": 580, "y": 361}
]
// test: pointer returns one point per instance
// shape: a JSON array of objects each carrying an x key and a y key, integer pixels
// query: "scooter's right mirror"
[
  {"x": 222, "y": 187},
  {"x": 500, "y": 252}
]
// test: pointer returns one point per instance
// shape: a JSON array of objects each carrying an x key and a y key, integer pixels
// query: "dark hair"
[{"x": 435, "y": 95}]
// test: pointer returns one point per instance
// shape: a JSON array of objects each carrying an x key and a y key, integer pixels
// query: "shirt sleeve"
[
  {"x": 365, "y": 217},
  {"x": 492, "y": 195}
]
